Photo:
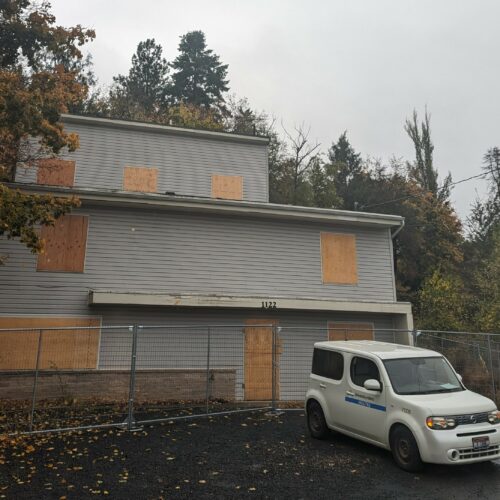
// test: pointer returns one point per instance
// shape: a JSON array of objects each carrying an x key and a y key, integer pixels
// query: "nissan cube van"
[{"x": 405, "y": 399}]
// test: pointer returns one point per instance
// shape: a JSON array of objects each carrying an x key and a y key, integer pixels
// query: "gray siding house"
[{"x": 175, "y": 228}]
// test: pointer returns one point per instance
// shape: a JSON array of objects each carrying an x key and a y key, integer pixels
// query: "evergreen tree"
[
  {"x": 345, "y": 169},
  {"x": 322, "y": 187},
  {"x": 199, "y": 78},
  {"x": 145, "y": 88},
  {"x": 422, "y": 169}
]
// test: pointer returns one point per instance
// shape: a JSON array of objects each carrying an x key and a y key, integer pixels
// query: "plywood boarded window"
[
  {"x": 350, "y": 331},
  {"x": 56, "y": 172},
  {"x": 140, "y": 179},
  {"x": 65, "y": 245},
  {"x": 227, "y": 187},
  {"x": 338, "y": 258},
  {"x": 75, "y": 348}
]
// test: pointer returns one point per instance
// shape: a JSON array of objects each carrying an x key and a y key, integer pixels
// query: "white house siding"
[
  {"x": 178, "y": 253},
  {"x": 185, "y": 164}
]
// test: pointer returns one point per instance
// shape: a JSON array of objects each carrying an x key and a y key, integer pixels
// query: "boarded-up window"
[
  {"x": 75, "y": 348},
  {"x": 56, "y": 172},
  {"x": 338, "y": 258},
  {"x": 350, "y": 331},
  {"x": 227, "y": 187},
  {"x": 141, "y": 179},
  {"x": 65, "y": 245}
]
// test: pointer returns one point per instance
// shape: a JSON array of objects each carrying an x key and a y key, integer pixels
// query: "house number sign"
[{"x": 269, "y": 304}]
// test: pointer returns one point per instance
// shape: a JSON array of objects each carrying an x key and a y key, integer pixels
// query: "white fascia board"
[{"x": 110, "y": 297}]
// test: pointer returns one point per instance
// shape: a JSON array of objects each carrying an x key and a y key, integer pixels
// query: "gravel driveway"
[{"x": 245, "y": 455}]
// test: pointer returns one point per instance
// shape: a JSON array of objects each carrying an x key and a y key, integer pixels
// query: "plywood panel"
[
  {"x": 60, "y": 349},
  {"x": 141, "y": 179},
  {"x": 56, "y": 172},
  {"x": 65, "y": 245},
  {"x": 259, "y": 360},
  {"x": 350, "y": 331},
  {"x": 338, "y": 258},
  {"x": 227, "y": 187}
]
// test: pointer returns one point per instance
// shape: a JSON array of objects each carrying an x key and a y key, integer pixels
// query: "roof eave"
[
  {"x": 221, "y": 207},
  {"x": 164, "y": 129}
]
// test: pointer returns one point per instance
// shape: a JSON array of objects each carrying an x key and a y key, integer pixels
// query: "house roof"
[
  {"x": 91, "y": 196},
  {"x": 164, "y": 129}
]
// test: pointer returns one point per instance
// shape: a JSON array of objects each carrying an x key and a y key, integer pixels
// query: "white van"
[{"x": 402, "y": 398}]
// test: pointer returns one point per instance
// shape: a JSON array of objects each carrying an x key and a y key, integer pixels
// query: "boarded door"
[
  {"x": 70, "y": 349},
  {"x": 259, "y": 360},
  {"x": 350, "y": 331}
]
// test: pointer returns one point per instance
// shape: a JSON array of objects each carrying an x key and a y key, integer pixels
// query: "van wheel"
[
  {"x": 316, "y": 421},
  {"x": 405, "y": 450}
]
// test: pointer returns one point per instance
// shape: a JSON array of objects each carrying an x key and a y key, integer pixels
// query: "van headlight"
[
  {"x": 439, "y": 423},
  {"x": 494, "y": 417}
]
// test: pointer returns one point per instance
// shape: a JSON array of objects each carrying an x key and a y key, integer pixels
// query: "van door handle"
[
  {"x": 323, "y": 386},
  {"x": 349, "y": 393}
]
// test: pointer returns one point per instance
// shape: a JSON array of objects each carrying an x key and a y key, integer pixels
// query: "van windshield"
[{"x": 422, "y": 376}]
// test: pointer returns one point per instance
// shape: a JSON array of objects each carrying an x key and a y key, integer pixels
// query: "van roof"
[{"x": 384, "y": 350}]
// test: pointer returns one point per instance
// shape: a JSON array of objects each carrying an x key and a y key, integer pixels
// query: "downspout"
[{"x": 399, "y": 229}]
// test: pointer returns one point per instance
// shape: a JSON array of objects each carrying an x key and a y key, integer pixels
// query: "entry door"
[
  {"x": 366, "y": 410},
  {"x": 259, "y": 360},
  {"x": 350, "y": 331}
]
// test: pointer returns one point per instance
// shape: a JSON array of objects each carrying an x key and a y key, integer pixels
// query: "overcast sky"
[{"x": 357, "y": 65}]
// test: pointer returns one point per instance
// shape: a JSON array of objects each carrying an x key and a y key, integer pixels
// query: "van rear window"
[{"x": 329, "y": 364}]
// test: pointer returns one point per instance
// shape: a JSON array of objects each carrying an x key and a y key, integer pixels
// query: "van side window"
[
  {"x": 329, "y": 364},
  {"x": 363, "y": 369}
]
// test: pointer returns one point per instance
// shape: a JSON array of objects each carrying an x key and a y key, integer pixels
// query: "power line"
[{"x": 416, "y": 196}]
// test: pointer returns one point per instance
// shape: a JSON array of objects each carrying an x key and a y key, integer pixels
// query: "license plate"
[{"x": 480, "y": 443}]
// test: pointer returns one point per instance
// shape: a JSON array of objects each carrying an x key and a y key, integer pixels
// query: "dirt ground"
[{"x": 243, "y": 455}]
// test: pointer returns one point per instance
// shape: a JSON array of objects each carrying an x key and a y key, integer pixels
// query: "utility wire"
[{"x": 416, "y": 196}]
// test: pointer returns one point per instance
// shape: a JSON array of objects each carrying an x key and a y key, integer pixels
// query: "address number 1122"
[{"x": 269, "y": 305}]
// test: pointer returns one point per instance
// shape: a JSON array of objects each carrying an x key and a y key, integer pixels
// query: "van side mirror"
[
  {"x": 459, "y": 377},
  {"x": 372, "y": 385}
]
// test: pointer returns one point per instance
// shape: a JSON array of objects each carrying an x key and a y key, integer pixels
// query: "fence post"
[
  {"x": 131, "y": 392},
  {"x": 493, "y": 385},
  {"x": 35, "y": 382},
  {"x": 273, "y": 370},
  {"x": 207, "y": 395}
]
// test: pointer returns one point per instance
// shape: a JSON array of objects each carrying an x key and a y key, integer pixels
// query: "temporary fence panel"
[
  {"x": 50, "y": 377},
  {"x": 77, "y": 376},
  {"x": 189, "y": 370},
  {"x": 475, "y": 356}
]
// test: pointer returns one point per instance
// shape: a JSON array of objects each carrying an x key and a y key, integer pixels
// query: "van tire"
[
  {"x": 316, "y": 422},
  {"x": 404, "y": 449}
]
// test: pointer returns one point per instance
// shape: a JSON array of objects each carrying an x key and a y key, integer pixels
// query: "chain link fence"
[
  {"x": 102, "y": 376},
  {"x": 476, "y": 356}
]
